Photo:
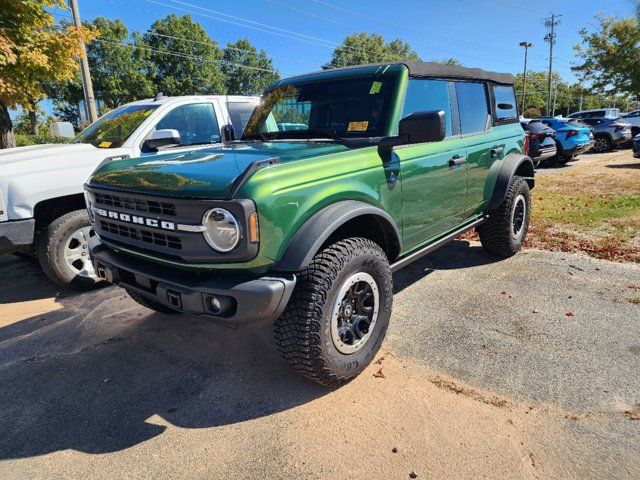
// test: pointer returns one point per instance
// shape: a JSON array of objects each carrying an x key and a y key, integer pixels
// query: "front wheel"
[
  {"x": 338, "y": 314},
  {"x": 506, "y": 228},
  {"x": 63, "y": 252}
]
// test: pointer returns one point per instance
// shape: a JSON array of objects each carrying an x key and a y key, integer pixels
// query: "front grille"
[
  {"x": 137, "y": 204},
  {"x": 146, "y": 236}
]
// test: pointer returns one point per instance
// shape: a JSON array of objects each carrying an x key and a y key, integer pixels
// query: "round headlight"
[{"x": 222, "y": 230}]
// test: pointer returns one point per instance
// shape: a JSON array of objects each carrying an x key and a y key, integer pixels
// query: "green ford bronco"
[{"x": 341, "y": 178}]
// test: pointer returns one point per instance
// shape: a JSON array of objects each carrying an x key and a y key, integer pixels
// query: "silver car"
[{"x": 608, "y": 132}]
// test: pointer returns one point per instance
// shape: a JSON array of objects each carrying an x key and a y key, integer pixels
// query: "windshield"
[
  {"x": 344, "y": 108},
  {"x": 113, "y": 129}
]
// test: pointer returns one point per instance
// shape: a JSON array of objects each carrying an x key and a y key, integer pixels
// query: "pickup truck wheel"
[
  {"x": 506, "y": 228},
  {"x": 338, "y": 314},
  {"x": 63, "y": 252},
  {"x": 151, "y": 305}
]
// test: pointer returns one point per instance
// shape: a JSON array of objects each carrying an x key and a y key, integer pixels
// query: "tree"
[
  {"x": 610, "y": 55},
  {"x": 362, "y": 48},
  {"x": 247, "y": 70},
  {"x": 120, "y": 71},
  {"x": 186, "y": 61},
  {"x": 448, "y": 61},
  {"x": 32, "y": 52}
]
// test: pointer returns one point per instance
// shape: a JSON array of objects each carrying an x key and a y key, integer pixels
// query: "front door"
[{"x": 433, "y": 175}]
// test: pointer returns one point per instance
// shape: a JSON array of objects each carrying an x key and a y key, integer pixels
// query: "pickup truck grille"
[
  {"x": 135, "y": 204},
  {"x": 145, "y": 236}
]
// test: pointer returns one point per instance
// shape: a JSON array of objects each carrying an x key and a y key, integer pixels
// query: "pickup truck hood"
[
  {"x": 44, "y": 154},
  {"x": 205, "y": 173},
  {"x": 32, "y": 174}
]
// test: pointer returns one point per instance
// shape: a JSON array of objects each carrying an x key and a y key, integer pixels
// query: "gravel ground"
[{"x": 518, "y": 368}]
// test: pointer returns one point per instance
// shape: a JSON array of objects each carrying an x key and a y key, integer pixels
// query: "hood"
[
  {"x": 43, "y": 152},
  {"x": 204, "y": 173}
]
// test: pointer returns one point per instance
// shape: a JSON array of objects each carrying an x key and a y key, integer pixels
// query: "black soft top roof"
[{"x": 439, "y": 70}]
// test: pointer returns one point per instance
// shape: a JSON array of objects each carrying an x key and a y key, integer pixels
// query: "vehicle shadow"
[
  {"x": 624, "y": 165},
  {"x": 101, "y": 375},
  {"x": 456, "y": 255},
  {"x": 23, "y": 280}
]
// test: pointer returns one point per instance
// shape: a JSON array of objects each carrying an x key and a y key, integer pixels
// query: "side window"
[
  {"x": 473, "y": 107},
  {"x": 197, "y": 123},
  {"x": 505, "y": 103},
  {"x": 427, "y": 95},
  {"x": 240, "y": 113}
]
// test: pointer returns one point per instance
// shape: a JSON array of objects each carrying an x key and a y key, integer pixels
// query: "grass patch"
[{"x": 590, "y": 207}]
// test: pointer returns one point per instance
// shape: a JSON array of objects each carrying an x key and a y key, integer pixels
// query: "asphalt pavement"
[{"x": 518, "y": 368}]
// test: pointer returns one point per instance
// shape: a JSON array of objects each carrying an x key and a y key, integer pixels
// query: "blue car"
[{"x": 572, "y": 137}]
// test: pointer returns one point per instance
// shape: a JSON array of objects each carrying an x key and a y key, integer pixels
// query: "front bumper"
[
  {"x": 245, "y": 300},
  {"x": 16, "y": 235}
]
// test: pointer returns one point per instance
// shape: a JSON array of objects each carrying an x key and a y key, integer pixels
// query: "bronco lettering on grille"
[{"x": 125, "y": 217}]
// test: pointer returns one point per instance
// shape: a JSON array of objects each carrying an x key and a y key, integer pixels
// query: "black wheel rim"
[
  {"x": 355, "y": 312},
  {"x": 519, "y": 216}
]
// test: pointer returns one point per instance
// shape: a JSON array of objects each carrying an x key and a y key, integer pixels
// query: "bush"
[
  {"x": 532, "y": 112},
  {"x": 23, "y": 140}
]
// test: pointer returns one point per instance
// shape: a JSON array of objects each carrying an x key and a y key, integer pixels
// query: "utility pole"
[
  {"x": 555, "y": 98},
  {"x": 87, "y": 85},
  {"x": 526, "y": 46},
  {"x": 550, "y": 22},
  {"x": 581, "y": 95}
]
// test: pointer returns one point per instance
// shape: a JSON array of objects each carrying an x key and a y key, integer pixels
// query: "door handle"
[
  {"x": 456, "y": 161},
  {"x": 496, "y": 152}
]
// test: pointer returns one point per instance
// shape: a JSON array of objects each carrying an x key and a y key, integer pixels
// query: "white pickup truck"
[{"x": 42, "y": 207}]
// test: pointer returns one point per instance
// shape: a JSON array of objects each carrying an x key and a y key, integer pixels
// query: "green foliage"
[
  {"x": 24, "y": 140},
  {"x": 567, "y": 98},
  {"x": 532, "y": 112},
  {"x": 195, "y": 70},
  {"x": 448, "y": 61},
  {"x": 33, "y": 52},
  {"x": 253, "y": 78},
  {"x": 610, "y": 55},
  {"x": 362, "y": 48},
  {"x": 120, "y": 72}
]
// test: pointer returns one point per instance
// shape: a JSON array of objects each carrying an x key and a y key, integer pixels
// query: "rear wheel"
[
  {"x": 63, "y": 252},
  {"x": 338, "y": 314},
  {"x": 603, "y": 144},
  {"x": 506, "y": 228}
]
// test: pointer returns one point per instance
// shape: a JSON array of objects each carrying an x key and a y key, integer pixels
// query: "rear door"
[
  {"x": 482, "y": 146},
  {"x": 433, "y": 175}
]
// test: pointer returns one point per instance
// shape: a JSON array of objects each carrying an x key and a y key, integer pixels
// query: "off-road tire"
[
  {"x": 605, "y": 146},
  {"x": 151, "y": 305},
  {"x": 496, "y": 234},
  {"x": 303, "y": 332},
  {"x": 50, "y": 251}
]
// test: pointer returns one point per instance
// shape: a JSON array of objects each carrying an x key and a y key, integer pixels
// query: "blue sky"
[{"x": 300, "y": 34}]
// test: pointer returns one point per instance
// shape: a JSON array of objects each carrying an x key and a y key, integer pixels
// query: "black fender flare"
[
  {"x": 511, "y": 163},
  {"x": 316, "y": 230}
]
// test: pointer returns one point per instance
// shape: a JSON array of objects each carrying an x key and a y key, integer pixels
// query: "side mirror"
[
  {"x": 422, "y": 127},
  {"x": 162, "y": 138},
  {"x": 228, "y": 133}
]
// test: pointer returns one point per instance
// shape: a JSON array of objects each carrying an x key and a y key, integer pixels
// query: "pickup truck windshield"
[
  {"x": 337, "y": 108},
  {"x": 113, "y": 129}
]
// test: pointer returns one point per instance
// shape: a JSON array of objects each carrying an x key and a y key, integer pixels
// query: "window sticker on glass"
[
  {"x": 358, "y": 126},
  {"x": 375, "y": 88},
  {"x": 104, "y": 144}
]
